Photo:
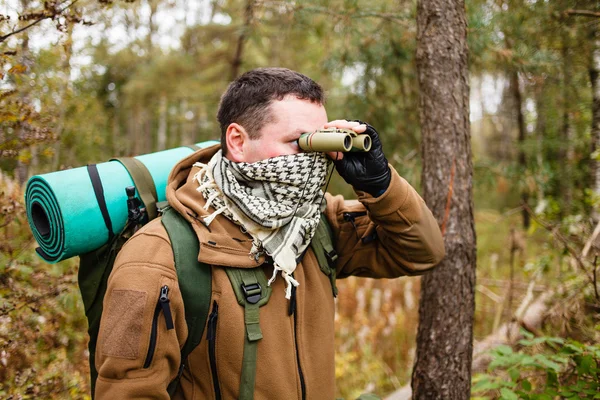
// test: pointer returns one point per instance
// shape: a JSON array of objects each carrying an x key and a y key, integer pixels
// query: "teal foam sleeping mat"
[{"x": 63, "y": 211}]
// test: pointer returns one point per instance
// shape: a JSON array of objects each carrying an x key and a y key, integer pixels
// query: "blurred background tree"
[{"x": 82, "y": 81}]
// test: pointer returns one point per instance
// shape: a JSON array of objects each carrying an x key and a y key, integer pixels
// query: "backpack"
[{"x": 195, "y": 278}]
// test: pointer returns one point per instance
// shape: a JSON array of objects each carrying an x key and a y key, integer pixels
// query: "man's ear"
[{"x": 236, "y": 137}]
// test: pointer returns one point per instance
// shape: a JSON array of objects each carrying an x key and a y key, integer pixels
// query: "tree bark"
[
  {"x": 65, "y": 90},
  {"x": 540, "y": 134},
  {"x": 22, "y": 167},
  {"x": 445, "y": 336},
  {"x": 239, "y": 50},
  {"x": 162, "y": 122},
  {"x": 595, "y": 79},
  {"x": 568, "y": 153},
  {"x": 152, "y": 26},
  {"x": 522, "y": 160},
  {"x": 517, "y": 98}
]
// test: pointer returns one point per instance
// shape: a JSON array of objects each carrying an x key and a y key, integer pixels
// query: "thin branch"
[
  {"x": 3, "y": 38},
  {"x": 582, "y": 13},
  {"x": 563, "y": 240},
  {"x": 390, "y": 17},
  {"x": 592, "y": 239},
  {"x": 52, "y": 293},
  {"x": 595, "y": 280},
  {"x": 52, "y": 15},
  {"x": 501, "y": 283},
  {"x": 489, "y": 293}
]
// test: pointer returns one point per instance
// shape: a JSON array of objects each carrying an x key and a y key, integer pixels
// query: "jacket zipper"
[
  {"x": 302, "y": 383},
  {"x": 211, "y": 336},
  {"x": 162, "y": 304},
  {"x": 351, "y": 216}
]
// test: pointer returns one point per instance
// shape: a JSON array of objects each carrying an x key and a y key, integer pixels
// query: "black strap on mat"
[
  {"x": 99, "y": 192},
  {"x": 143, "y": 183}
]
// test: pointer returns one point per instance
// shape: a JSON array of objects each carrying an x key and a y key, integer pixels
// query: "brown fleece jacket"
[{"x": 296, "y": 354}]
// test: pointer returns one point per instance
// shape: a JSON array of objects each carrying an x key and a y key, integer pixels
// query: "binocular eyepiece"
[{"x": 334, "y": 139}]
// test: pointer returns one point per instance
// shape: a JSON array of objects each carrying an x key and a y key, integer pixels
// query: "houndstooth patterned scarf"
[{"x": 277, "y": 201}]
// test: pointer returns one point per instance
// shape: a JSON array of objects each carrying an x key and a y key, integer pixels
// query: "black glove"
[{"x": 366, "y": 171}]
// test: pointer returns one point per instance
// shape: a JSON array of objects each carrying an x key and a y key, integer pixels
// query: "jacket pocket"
[
  {"x": 161, "y": 305},
  {"x": 211, "y": 337}
]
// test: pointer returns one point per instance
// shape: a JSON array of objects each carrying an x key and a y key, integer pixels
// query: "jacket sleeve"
[
  {"x": 392, "y": 235},
  {"x": 133, "y": 362}
]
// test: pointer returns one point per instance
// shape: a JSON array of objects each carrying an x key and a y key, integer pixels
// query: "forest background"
[{"x": 82, "y": 81}]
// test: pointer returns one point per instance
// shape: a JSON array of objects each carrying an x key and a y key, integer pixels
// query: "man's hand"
[{"x": 366, "y": 171}]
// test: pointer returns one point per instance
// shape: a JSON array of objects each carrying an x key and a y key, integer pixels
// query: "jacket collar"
[{"x": 223, "y": 242}]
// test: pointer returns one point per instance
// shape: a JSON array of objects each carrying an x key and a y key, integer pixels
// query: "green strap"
[
  {"x": 194, "y": 282},
  {"x": 253, "y": 335},
  {"x": 194, "y": 147},
  {"x": 143, "y": 182},
  {"x": 322, "y": 246},
  {"x": 252, "y": 291}
]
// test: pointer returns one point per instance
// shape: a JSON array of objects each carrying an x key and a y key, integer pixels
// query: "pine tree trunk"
[
  {"x": 567, "y": 152},
  {"x": 445, "y": 336},
  {"x": 595, "y": 79},
  {"x": 540, "y": 133},
  {"x": 518, "y": 99},
  {"x": 152, "y": 26},
  {"x": 162, "y": 123},
  {"x": 22, "y": 167},
  {"x": 65, "y": 90},
  {"x": 239, "y": 50}
]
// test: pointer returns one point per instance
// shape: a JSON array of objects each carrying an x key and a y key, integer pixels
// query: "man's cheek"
[{"x": 281, "y": 150}]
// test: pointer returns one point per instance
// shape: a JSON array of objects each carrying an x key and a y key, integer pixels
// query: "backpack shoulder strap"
[
  {"x": 252, "y": 292},
  {"x": 194, "y": 282},
  {"x": 143, "y": 182},
  {"x": 322, "y": 245}
]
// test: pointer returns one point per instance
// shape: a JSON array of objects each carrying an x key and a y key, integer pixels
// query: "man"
[{"x": 254, "y": 202}]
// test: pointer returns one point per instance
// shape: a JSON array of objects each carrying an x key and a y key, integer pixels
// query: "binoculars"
[{"x": 334, "y": 139}]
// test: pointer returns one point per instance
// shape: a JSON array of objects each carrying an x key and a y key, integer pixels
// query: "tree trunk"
[
  {"x": 239, "y": 50},
  {"x": 518, "y": 99},
  {"x": 595, "y": 79},
  {"x": 445, "y": 336},
  {"x": 184, "y": 125},
  {"x": 568, "y": 153},
  {"x": 152, "y": 27},
  {"x": 22, "y": 167},
  {"x": 162, "y": 123},
  {"x": 540, "y": 134},
  {"x": 65, "y": 90}
]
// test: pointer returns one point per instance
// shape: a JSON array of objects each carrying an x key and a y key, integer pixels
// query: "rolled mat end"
[{"x": 45, "y": 256}]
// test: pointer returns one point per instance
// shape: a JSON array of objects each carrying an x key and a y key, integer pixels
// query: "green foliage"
[
  {"x": 542, "y": 368},
  {"x": 43, "y": 330}
]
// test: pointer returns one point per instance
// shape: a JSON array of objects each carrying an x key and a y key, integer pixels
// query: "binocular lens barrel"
[
  {"x": 361, "y": 143},
  {"x": 318, "y": 141},
  {"x": 324, "y": 141}
]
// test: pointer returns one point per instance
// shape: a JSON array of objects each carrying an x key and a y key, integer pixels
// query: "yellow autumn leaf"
[{"x": 17, "y": 69}]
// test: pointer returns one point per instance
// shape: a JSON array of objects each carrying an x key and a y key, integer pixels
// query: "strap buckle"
[
  {"x": 332, "y": 256},
  {"x": 252, "y": 292}
]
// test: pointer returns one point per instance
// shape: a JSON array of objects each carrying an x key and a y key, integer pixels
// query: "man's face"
[{"x": 291, "y": 118}]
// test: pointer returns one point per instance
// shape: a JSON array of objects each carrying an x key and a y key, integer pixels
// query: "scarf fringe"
[
  {"x": 289, "y": 279},
  {"x": 210, "y": 218}
]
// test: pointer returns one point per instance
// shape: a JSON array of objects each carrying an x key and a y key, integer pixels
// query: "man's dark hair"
[{"x": 247, "y": 99}]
